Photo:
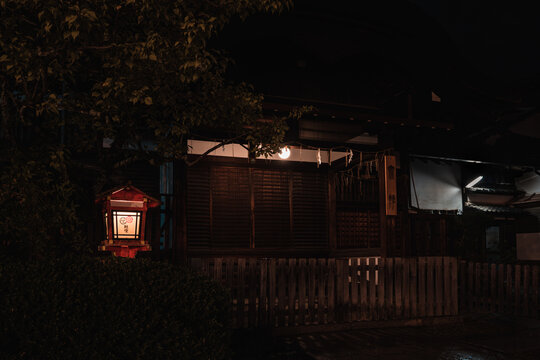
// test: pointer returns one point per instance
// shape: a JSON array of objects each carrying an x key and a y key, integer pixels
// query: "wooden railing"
[
  {"x": 291, "y": 292},
  {"x": 499, "y": 288}
]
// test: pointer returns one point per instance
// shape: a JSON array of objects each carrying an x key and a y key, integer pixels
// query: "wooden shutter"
[
  {"x": 271, "y": 208},
  {"x": 309, "y": 209},
  {"x": 231, "y": 222},
  {"x": 198, "y": 207}
]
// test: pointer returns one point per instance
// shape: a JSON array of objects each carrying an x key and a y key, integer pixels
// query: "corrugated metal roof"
[{"x": 494, "y": 209}]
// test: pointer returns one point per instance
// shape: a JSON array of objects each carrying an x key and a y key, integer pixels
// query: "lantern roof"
[{"x": 127, "y": 192}]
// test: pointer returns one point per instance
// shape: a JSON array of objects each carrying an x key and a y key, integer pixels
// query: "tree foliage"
[{"x": 74, "y": 72}]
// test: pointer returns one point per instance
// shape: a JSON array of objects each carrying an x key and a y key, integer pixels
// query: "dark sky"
[{"x": 501, "y": 39}]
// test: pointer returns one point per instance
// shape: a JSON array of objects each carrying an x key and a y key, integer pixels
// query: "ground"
[{"x": 481, "y": 338}]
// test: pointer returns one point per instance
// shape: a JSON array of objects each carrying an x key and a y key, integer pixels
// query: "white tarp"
[{"x": 435, "y": 185}]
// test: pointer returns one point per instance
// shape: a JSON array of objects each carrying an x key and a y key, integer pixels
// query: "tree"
[{"x": 74, "y": 72}]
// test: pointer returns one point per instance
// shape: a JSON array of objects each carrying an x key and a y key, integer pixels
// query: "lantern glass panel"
[{"x": 126, "y": 225}]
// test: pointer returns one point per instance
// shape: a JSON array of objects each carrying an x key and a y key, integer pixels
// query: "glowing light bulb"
[{"x": 285, "y": 153}]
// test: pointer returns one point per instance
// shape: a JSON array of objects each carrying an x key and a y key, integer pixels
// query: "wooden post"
[
  {"x": 383, "y": 230},
  {"x": 179, "y": 246}
]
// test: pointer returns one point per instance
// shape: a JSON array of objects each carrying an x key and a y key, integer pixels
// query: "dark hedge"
[{"x": 110, "y": 308}]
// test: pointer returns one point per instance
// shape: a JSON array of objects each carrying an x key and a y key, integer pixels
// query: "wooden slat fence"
[
  {"x": 499, "y": 288},
  {"x": 291, "y": 292}
]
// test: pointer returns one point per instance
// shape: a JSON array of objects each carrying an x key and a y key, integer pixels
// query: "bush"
[{"x": 110, "y": 308}]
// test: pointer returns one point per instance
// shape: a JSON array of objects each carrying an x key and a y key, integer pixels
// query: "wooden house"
[{"x": 381, "y": 167}]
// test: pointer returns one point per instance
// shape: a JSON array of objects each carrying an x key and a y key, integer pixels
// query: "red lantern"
[{"x": 124, "y": 213}]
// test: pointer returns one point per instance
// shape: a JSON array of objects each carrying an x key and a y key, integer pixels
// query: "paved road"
[{"x": 490, "y": 337}]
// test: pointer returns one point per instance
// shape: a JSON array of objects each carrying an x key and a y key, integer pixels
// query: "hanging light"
[{"x": 285, "y": 153}]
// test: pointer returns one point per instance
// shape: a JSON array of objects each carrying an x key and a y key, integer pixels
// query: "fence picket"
[
  {"x": 252, "y": 292},
  {"x": 363, "y": 290},
  {"x": 217, "y": 269},
  {"x": 509, "y": 288},
  {"x": 447, "y": 298},
  {"x": 240, "y": 292},
  {"x": 282, "y": 289},
  {"x": 322, "y": 274},
  {"x": 372, "y": 290},
  {"x": 398, "y": 276},
  {"x": 354, "y": 290},
  {"x": 272, "y": 292},
  {"x": 263, "y": 281},
  {"x": 346, "y": 291},
  {"x": 517, "y": 290},
  {"x": 500, "y": 289},
  {"x": 438, "y": 286},
  {"x": 405, "y": 289},
  {"x": 302, "y": 291},
  {"x": 536, "y": 290},
  {"x": 335, "y": 291},
  {"x": 454, "y": 279},
  {"x": 478, "y": 287},
  {"x": 525, "y": 307},
  {"x": 389, "y": 280},
  {"x": 485, "y": 283},
  {"x": 312, "y": 286},
  {"x": 381, "y": 289},
  {"x": 331, "y": 309},
  {"x": 493, "y": 286},
  {"x": 430, "y": 296},
  {"x": 422, "y": 286},
  {"x": 291, "y": 292}
]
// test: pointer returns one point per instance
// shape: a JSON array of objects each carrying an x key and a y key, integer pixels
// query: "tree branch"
[{"x": 207, "y": 152}]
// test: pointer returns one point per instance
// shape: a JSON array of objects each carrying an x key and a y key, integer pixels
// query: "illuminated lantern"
[{"x": 124, "y": 213}]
